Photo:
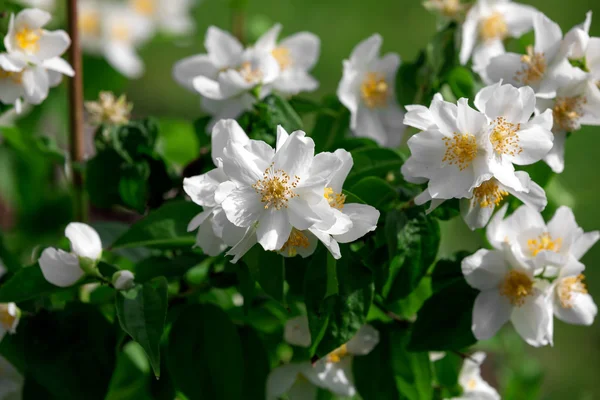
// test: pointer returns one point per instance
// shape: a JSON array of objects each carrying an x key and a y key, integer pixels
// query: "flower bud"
[
  {"x": 123, "y": 280},
  {"x": 10, "y": 315}
]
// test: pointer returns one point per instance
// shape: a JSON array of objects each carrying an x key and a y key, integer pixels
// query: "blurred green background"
[{"x": 571, "y": 369}]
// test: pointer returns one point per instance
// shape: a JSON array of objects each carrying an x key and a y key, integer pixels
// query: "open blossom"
[
  {"x": 65, "y": 269},
  {"x": 509, "y": 291},
  {"x": 333, "y": 372},
  {"x": 487, "y": 24},
  {"x": 367, "y": 89},
  {"x": 473, "y": 385},
  {"x": 296, "y": 56},
  {"x": 352, "y": 221},
  {"x": 171, "y": 16},
  {"x": 10, "y": 316},
  {"x": 468, "y": 154},
  {"x": 570, "y": 300}
]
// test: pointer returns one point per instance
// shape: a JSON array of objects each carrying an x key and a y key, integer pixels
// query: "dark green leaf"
[
  {"x": 462, "y": 82},
  {"x": 267, "y": 268},
  {"x": 448, "y": 271},
  {"x": 8, "y": 259},
  {"x": 132, "y": 186},
  {"x": 153, "y": 267},
  {"x": 102, "y": 178},
  {"x": 142, "y": 312},
  {"x": 373, "y": 161},
  {"x": 374, "y": 191},
  {"x": 27, "y": 283},
  {"x": 332, "y": 123},
  {"x": 256, "y": 364},
  {"x": 412, "y": 370},
  {"x": 303, "y": 105},
  {"x": 130, "y": 380},
  {"x": 107, "y": 270}
]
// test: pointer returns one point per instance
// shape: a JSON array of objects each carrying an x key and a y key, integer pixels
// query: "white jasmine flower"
[
  {"x": 509, "y": 291},
  {"x": 11, "y": 381},
  {"x": 123, "y": 280},
  {"x": 571, "y": 301},
  {"x": 47, "y": 5},
  {"x": 367, "y": 89},
  {"x": 487, "y": 24},
  {"x": 296, "y": 56},
  {"x": 65, "y": 269},
  {"x": 538, "y": 243},
  {"x": 10, "y": 315},
  {"x": 109, "y": 109},
  {"x": 277, "y": 190},
  {"x": 473, "y": 385},
  {"x": 171, "y": 16},
  {"x": 447, "y": 9},
  {"x": 545, "y": 66},
  {"x": 226, "y": 75},
  {"x": 297, "y": 332},
  {"x": 461, "y": 148},
  {"x": 352, "y": 221}
]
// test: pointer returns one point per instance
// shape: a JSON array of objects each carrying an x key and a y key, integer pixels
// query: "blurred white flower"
[
  {"x": 367, "y": 89},
  {"x": 11, "y": 381},
  {"x": 123, "y": 280},
  {"x": 171, "y": 16},
  {"x": 297, "y": 332},
  {"x": 473, "y": 385},
  {"x": 460, "y": 149},
  {"x": 508, "y": 291},
  {"x": 109, "y": 109},
  {"x": 487, "y": 24},
  {"x": 447, "y": 9},
  {"x": 10, "y": 315},
  {"x": 296, "y": 56},
  {"x": 65, "y": 269},
  {"x": 48, "y": 5}
]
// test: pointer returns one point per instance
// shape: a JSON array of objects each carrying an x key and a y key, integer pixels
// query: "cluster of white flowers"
[
  {"x": 32, "y": 63},
  {"x": 285, "y": 198},
  {"x": 231, "y": 78},
  {"x": 532, "y": 273},
  {"x": 332, "y": 372},
  {"x": 117, "y": 30}
]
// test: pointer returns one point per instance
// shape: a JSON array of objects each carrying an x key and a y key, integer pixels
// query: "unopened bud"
[{"x": 123, "y": 280}]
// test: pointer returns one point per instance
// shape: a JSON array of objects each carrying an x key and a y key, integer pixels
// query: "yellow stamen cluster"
[
  {"x": 248, "y": 73},
  {"x": 120, "y": 32},
  {"x": 296, "y": 240},
  {"x": 505, "y": 137},
  {"x": 448, "y": 8},
  {"x": 543, "y": 242},
  {"x": 534, "y": 67},
  {"x": 276, "y": 188},
  {"x": 568, "y": 286},
  {"x": 567, "y": 111},
  {"x": 144, "y": 7},
  {"x": 7, "y": 320},
  {"x": 338, "y": 354},
  {"x": 461, "y": 150},
  {"x": 374, "y": 90},
  {"x": 89, "y": 23},
  {"x": 27, "y": 39},
  {"x": 516, "y": 287},
  {"x": 489, "y": 194},
  {"x": 493, "y": 27},
  {"x": 15, "y": 77},
  {"x": 335, "y": 200},
  {"x": 472, "y": 384},
  {"x": 109, "y": 109},
  {"x": 283, "y": 56}
]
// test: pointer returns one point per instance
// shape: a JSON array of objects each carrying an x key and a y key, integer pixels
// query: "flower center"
[
  {"x": 144, "y": 7},
  {"x": 15, "y": 77},
  {"x": 89, "y": 23},
  {"x": 450, "y": 7},
  {"x": 27, "y": 40},
  {"x": 109, "y": 109},
  {"x": 338, "y": 354},
  {"x": 543, "y": 242},
  {"x": 7, "y": 320},
  {"x": 489, "y": 194},
  {"x": 516, "y": 286},
  {"x": 461, "y": 150},
  {"x": 120, "y": 32},
  {"x": 335, "y": 200},
  {"x": 374, "y": 90},
  {"x": 283, "y": 56},
  {"x": 534, "y": 68},
  {"x": 296, "y": 240},
  {"x": 248, "y": 73},
  {"x": 493, "y": 27},
  {"x": 472, "y": 384},
  {"x": 568, "y": 286},
  {"x": 276, "y": 188},
  {"x": 567, "y": 111},
  {"x": 505, "y": 138}
]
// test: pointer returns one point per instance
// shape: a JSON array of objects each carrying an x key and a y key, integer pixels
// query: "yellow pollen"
[
  {"x": 493, "y": 27},
  {"x": 335, "y": 200},
  {"x": 144, "y": 7},
  {"x": 489, "y": 194},
  {"x": 276, "y": 188},
  {"x": 337, "y": 355},
  {"x": 516, "y": 286},
  {"x": 89, "y": 23},
  {"x": 6, "y": 320},
  {"x": 568, "y": 286},
  {"x": 472, "y": 384},
  {"x": 533, "y": 69},
  {"x": 27, "y": 39},
  {"x": 15, "y": 77},
  {"x": 505, "y": 138},
  {"x": 248, "y": 73},
  {"x": 120, "y": 32},
  {"x": 567, "y": 111},
  {"x": 283, "y": 56},
  {"x": 374, "y": 90},
  {"x": 296, "y": 240},
  {"x": 543, "y": 242},
  {"x": 461, "y": 150}
]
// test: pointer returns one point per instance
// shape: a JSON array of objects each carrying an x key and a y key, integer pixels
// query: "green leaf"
[
  {"x": 132, "y": 186},
  {"x": 267, "y": 268},
  {"x": 103, "y": 174},
  {"x": 413, "y": 241},
  {"x": 177, "y": 141},
  {"x": 205, "y": 356},
  {"x": 331, "y": 125},
  {"x": 142, "y": 312},
  {"x": 303, "y": 105},
  {"x": 412, "y": 370},
  {"x": 7, "y": 258},
  {"x": 27, "y": 283},
  {"x": 407, "y": 82},
  {"x": 156, "y": 266},
  {"x": 256, "y": 364},
  {"x": 462, "y": 82},
  {"x": 130, "y": 380},
  {"x": 374, "y": 191},
  {"x": 165, "y": 227},
  {"x": 373, "y": 161}
]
